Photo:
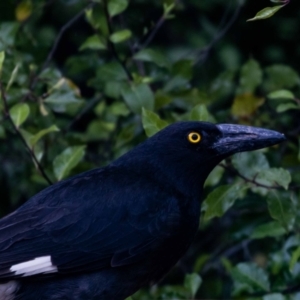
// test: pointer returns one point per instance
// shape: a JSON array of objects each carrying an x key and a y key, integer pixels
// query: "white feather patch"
[
  {"x": 39, "y": 265},
  {"x": 8, "y": 290}
]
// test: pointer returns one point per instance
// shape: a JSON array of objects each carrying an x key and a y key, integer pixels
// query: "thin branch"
[
  {"x": 203, "y": 54},
  {"x": 16, "y": 129},
  {"x": 57, "y": 40},
  {"x": 89, "y": 106},
  {"x": 111, "y": 45}
]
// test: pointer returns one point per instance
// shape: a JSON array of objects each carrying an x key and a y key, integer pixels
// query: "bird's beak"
[{"x": 239, "y": 138}]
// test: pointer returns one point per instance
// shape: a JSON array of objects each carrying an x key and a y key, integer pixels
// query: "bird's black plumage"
[{"x": 105, "y": 233}]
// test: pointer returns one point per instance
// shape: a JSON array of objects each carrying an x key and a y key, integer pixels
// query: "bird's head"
[{"x": 186, "y": 152}]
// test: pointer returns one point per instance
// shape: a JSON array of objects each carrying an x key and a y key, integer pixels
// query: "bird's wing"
[{"x": 86, "y": 223}]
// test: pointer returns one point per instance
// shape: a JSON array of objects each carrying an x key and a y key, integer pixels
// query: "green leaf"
[
  {"x": 294, "y": 259},
  {"x": 23, "y": 10},
  {"x": 116, "y": 7},
  {"x": 253, "y": 277},
  {"x": 8, "y": 32},
  {"x": 281, "y": 77},
  {"x": 250, "y": 78},
  {"x": 271, "y": 229},
  {"x": 199, "y": 113},
  {"x": 220, "y": 200},
  {"x": 111, "y": 72},
  {"x": 281, "y": 94},
  {"x": 93, "y": 42},
  {"x": 2, "y": 57},
  {"x": 281, "y": 209},
  {"x": 192, "y": 282},
  {"x": 214, "y": 176},
  {"x": 12, "y": 77},
  {"x": 286, "y": 106},
  {"x": 154, "y": 56},
  {"x": 266, "y": 13},
  {"x": 250, "y": 163},
  {"x": 35, "y": 138},
  {"x": 19, "y": 113},
  {"x": 120, "y": 36},
  {"x": 274, "y": 176},
  {"x": 152, "y": 123},
  {"x": 138, "y": 96},
  {"x": 67, "y": 160}
]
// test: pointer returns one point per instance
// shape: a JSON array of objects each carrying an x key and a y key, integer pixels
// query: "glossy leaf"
[
  {"x": 120, "y": 36},
  {"x": 19, "y": 113},
  {"x": 151, "y": 55},
  {"x": 152, "y": 123},
  {"x": 35, "y": 138},
  {"x": 138, "y": 96},
  {"x": 93, "y": 42},
  {"x": 253, "y": 277},
  {"x": 67, "y": 160},
  {"x": 220, "y": 200},
  {"x": 271, "y": 229},
  {"x": 281, "y": 209},
  {"x": 274, "y": 176},
  {"x": 266, "y": 13}
]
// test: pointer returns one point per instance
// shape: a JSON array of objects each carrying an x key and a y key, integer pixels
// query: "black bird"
[{"x": 107, "y": 232}]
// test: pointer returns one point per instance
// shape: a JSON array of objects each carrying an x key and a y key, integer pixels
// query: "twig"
[
  {"x": 205, "y": 52},
  {"x": 57, "y": 40},
  {"x": 90, "y": 105},
  {"x": 16, "y": 129},
  {"x": 111, "y": 45}
]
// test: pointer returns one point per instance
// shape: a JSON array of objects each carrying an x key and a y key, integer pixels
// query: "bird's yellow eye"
[{"x": 194, "y": 137}]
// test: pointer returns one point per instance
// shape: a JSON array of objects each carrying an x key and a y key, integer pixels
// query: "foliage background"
[{"x": 80, "y": 87}]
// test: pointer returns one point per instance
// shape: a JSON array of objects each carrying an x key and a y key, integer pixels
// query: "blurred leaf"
[
  {"x": 152, "y": 123},
  {"x": 19, "y": 113},
  {"x": 274, "y": 176},
  {"x": 251, "y": 163},
  {"x": 281, "y": 94},
  {"x": 250, "y": 78},
  {"x": 154, "y": 56},
  {"x": 281, "y": 77},
  {"x": 35, "y": 138},
  {"x": 245, "y": 105},
  {"x": 220, "y": 200},
  {"x": 214, "y": 177},
  {"x": 271, "y": 229},
  {"x": 2, "y": 58},
  {"x": 274, "y": 296},
  {"x": 192, "y": 282},
  {"x": 294, "y": 259},
  {"x": 111, "y": 72},
  {"x": 12, "y": 77},
  {"x": 286, "y": 106},
  {"x": 281, "y": 209},
  {"x": 67, "y": 160},
  {"x": 93, "y": 42},
  {"x": 199, "y": 113},
  {"x": 138, "y": 96},
  {"x": 253, "y": 277},
  {"x": 23, "y": 10},
  {"x": 266, "y": 13},
  {"x": 7, "y": 34},
  {"x": 120, "y": 36},
  {"x": 116, "y": 7}
]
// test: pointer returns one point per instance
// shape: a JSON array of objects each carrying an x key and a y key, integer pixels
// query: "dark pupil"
[{"x": 194, "y": 137}]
